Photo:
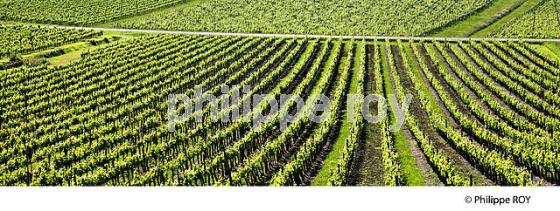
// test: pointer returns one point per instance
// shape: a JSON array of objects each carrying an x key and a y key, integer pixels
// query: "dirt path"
[
  {"x": 424, "y": 122},
  {"x": 367, "y": 168},
  {"x": 443, "y": 108},
  {"x": 430, "y": 176}
]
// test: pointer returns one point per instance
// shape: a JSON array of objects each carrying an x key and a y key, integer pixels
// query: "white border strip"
[{"x": 259, "y": 198}]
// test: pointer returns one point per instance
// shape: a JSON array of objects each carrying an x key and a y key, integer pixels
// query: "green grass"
[
  {"x": 552, "y": 49},
  {"x": 330, "y": 163},
  {"x": 124, "y": 34},
  {"x": 506, "y": 19},
  {"x": 106, "y": 33},
  {"x": 478, "y": 21},
  {"x": 73, "y": 52},
  {"x": 66, "y": 58},
  {"x": 409, "y": 167}
]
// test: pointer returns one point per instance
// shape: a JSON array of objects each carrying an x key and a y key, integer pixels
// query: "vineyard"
[
  {"x": 353, "y": 17},
  {"x": 76, "y": 12},
  {"x": 26, "y": 39},
  {"x": 482, "y": 113},
  {"x": 541, "y": 21},
  {"x": 446, "y": 18}
]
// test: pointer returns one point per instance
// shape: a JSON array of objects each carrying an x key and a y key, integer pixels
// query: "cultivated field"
[
  {"x": 543, "y": 20},
  {"x": 25, "y": 39},
  {"x": 114, "y": 107},
  {"x": 482, "y": 113},
  {"x": 370, "y": 17},
  {"x": 76, "y": 12}
]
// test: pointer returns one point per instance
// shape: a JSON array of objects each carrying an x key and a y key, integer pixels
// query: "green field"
[
  {"x": 95, "y": 107},
  {"x": 77, "y": 12},
  {"x": 476, "y": 18},
  {"x": 353, "y": 17},
  {"x": 541, "y": 21},
  {"x": 471, "y": 25}
]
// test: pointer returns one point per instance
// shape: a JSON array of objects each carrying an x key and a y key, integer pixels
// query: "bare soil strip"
[
  {"x": 430, "y": 176},
  {"x": 367, "y": 168},
  {"x": 425, "y": 125}
]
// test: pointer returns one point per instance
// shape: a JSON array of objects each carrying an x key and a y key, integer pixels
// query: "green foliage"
[
  {"x": 542, "y": 21},
  {"x": 349, "y": 17},
  {"x": 76, "y": 12},
  {"x": 102, "y": 120},
  {"x": 26, "y": 39}
]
